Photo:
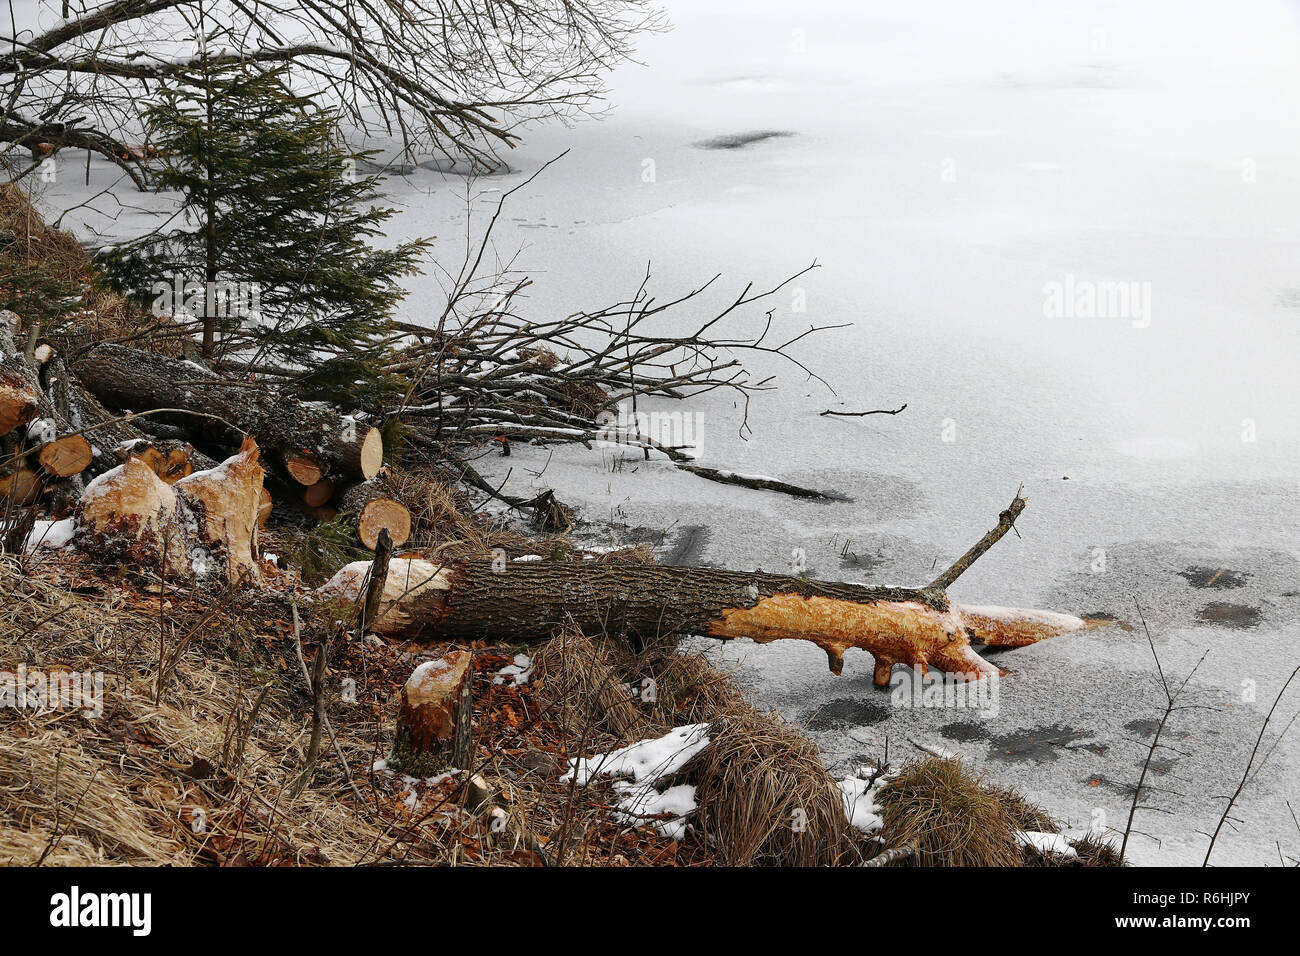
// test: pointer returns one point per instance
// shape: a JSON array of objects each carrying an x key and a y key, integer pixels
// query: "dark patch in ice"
[
  {"x": 1289, "y": 298},
  {"x": 1222, "y": 613},
  {"x": 964, "y": 731},
  {"x": 1145, "y": 726},
  {"x": 688, "y": 546},
  {"x": 1036, "y": 744},
  {"x": 854, "y": 561},
  {"x": 847, "y": 712},
  {"x": 1201, "y": 577},
  {"x": 1164, "y": 579},
  {"x": 741, "y": 140},
  {"x": 1162, "y": 765}
]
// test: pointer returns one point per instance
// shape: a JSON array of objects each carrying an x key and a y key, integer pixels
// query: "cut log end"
[
  {"x": 379, "y": 514},
  {"x": 319, "y": 494},
  {"x": 65, "y": 457},
  {"x": 304, "y": 469},
  {"x": 19, "y": 403},
  {"x": 21, "y": 486},
  {"x": 371, "y": 456}
]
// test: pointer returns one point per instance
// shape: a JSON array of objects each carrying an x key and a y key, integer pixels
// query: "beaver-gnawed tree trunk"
[{"x": 467, "y": 600}]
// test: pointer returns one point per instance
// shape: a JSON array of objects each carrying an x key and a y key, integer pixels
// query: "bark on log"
[
  {"x": 434, "y": 717},
  {"x": 113, "y": 440},
  {"x": 20, "y": 390},
  {"x": 284, "y": 427},
  {"x": 464, "y": 601},
  {"x": 370, "y": 510},
  {"x": 206, "y": 524}
]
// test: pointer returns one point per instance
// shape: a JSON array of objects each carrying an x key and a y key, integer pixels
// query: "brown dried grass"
[
  {"x": 116, "y": 788},
  {"x": 764, "y": 794},
  {"x": 105, "y": 315},
  {"x": 950, "y": 816}
]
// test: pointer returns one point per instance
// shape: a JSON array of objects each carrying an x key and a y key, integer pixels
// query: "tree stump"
[{"x": 434, "y": 716}]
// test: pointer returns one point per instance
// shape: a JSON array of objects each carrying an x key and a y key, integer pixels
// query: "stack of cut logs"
[{"x": 64, "y": 426}]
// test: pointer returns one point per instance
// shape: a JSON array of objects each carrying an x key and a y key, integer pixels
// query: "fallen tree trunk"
[
  {"x": 468, "y": 600},
  {"x": 465, "y": 601},
  {"x": 307, "y": 439}
]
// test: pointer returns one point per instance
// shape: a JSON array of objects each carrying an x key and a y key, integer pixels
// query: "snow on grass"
[
  {"x": 638, "y": 803},
  {"x": 637, "y": 767},
  {"x": 49, "y": 534},
  {"x": 859, "y": 795},
  {"x": 520, "y": 670},
  {"x": 644, "y": 761},
  {"x": 1046, "y": 843}
]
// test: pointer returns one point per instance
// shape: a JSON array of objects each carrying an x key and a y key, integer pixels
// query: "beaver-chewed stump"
[{"x": 434, "y": 717}]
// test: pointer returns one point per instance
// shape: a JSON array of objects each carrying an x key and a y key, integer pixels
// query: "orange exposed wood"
[
  {"x": 304, "y": 469},
  {"x": 65, "y": 457},
  {"x": 380, "y": 513},
  {"x": 319, "y": 493}
]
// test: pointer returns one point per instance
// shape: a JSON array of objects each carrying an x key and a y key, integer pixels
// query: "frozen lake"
[
  {"x": 947, "y": 165},
  {"x": 968, "y": 176}
]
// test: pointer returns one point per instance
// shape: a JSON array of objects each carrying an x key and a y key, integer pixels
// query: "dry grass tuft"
[
  {"x": 41, "y": 255},
  {"x": 1022, "y": 814},
  {"x": 765, "y": 797},
  {"x": 586, "y": 689},
  {"x": 950, "y": 816},
  {"x": 1093, "y": 850}
]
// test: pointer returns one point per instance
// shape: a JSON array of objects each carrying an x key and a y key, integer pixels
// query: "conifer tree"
[{"x": 271, "y": 247}]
